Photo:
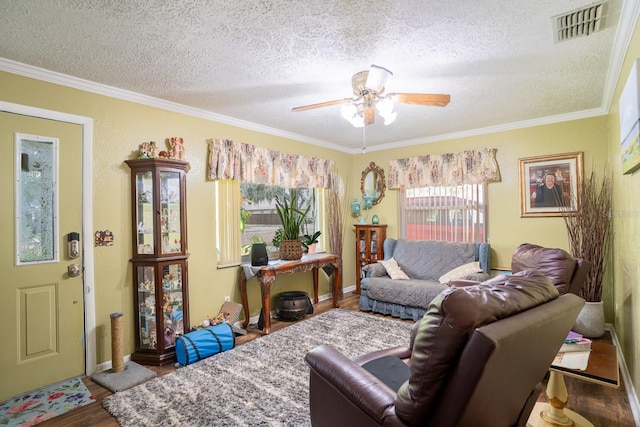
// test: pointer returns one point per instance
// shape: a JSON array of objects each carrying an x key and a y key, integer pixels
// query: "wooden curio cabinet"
[
  {"x": 369, "y": 247},
  {"x": 161, "y": 297}
]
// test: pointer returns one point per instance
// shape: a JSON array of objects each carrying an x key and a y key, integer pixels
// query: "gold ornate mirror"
[{"x": 373, "y": 183}]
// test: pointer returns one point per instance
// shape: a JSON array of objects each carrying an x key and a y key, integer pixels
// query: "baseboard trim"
[{"x": 628, "y": 383}]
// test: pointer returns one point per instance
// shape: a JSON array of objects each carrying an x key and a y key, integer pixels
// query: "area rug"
[
  {"x": 35, "y": 406},
  {"x": 264, "y": 382}
]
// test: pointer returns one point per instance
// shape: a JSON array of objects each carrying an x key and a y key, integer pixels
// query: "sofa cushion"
[
  {"x": 460, "y": 272},
  {"x": 557, "y": 264},
  {"x": 412, "y": 293},
  {"x": 423, "y": 259},
  {"x": 393, "y": 269},
  {"x": 375, "y": 270},
  {"x": 451, "y": 318}
]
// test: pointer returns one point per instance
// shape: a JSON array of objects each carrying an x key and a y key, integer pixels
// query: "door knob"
[{"x": 73, "y": 270}]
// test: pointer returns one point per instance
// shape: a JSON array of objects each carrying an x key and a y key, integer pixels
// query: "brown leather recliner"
[
  {"x": 566, "y": 272},
  {"x": 477, "y": 359}
]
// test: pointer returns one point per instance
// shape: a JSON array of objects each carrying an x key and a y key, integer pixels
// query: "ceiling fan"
[{"x": 368, "y": 88}]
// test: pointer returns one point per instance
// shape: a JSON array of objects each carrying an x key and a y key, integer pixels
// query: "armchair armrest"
[{"x": 347, "y": 381}]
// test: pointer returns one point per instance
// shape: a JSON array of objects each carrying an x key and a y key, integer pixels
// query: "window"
[
  {"x": 247, "y": 214},
  {"x": 454, "y": 214},
  {"x": 261, "y": 220}
]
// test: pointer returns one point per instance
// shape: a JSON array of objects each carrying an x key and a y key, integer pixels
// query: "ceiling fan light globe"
[
  {"x": 385, "y": 106},
  {"x": 377, "y": 78},
  {"x": 390, "y": 118},
  {"x": 348, "y": 111}
]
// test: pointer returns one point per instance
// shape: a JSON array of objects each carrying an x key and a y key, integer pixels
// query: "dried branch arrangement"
[
  {"x": 590, "y": 230},
  {"x": 335, "y": 214}
]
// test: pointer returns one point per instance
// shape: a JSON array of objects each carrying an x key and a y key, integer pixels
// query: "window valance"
[
  {"x": 466, "y": 167},
  {"x": 259, "y": 165}
]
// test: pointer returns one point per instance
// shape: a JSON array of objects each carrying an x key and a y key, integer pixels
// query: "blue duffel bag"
[{"x": 203, "y": 343}]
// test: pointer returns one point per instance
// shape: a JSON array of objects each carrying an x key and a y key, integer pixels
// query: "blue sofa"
[{"x": 424, "y": 262}]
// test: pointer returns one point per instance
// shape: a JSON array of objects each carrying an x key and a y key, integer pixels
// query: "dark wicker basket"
[{"x": 290, "y": 249}]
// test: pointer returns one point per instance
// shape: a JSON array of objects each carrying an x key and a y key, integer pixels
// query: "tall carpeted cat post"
[
  {"x": 117, "y": 356},
  {"x": 122, "y": 375}
]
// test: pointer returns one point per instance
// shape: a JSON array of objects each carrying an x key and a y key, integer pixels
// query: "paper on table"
[{"x": 572, "y": 360}]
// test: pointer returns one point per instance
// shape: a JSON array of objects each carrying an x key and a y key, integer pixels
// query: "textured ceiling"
[{"x": 249, "y": 62}]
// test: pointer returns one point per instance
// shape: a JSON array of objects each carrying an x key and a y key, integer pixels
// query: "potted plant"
[
  {"x": 309, "y": 241},
  {"x": 292, "y": 219},
  {"x": 589, "y": 231}
]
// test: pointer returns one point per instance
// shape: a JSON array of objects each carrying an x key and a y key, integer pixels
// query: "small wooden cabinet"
[
  {"x": 369, "y": 247},
  {"x": 161, "y": 303}
]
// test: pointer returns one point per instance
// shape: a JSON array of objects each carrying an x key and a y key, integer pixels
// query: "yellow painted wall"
[
  {"x": 506, "y": 229},
  {"x": 624, "y": 274},
  {"x": 119, "y": 128}
]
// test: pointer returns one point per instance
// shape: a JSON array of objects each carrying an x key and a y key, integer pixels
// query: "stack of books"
[
  {"x": 575, "y": 342},
  {"x": 574, "y": 353}
]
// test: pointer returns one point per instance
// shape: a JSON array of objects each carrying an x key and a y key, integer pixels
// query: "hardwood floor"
[{"x": 603, "y": 406}]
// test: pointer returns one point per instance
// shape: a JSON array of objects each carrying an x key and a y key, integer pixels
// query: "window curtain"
[
  {"x": 259, "y": 165},
  {"x": 228, "y": 213},
  {"x": 451, "y": 169}
]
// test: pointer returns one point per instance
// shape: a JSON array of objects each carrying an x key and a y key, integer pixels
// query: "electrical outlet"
[{"x": 227, "y": 298}]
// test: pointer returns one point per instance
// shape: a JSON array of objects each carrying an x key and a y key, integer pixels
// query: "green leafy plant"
[
  {"x": 291, "y": 216},
  {"x": 244, "y": 217},
  {"x": 310, "y": 239},
  {"x": 277, "y": 238}
]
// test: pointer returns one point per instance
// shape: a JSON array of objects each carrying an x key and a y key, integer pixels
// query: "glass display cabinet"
[
  {"x": 158, "y": 188},
  {"x": 369, "y": 247}
]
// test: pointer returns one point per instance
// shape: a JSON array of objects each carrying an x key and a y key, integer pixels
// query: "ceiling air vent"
[{"x": 579, "y": 22}]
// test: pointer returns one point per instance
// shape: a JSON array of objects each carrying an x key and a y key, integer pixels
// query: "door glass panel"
[
  {"x": 170, "y": 212},
  {"x": 36, "y": 175},
  {"x": 144, "y": 211}
]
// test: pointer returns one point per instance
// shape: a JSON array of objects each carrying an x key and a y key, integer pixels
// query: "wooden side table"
[
  {"x": 267, "y": 275},
  {"x": 601, "y": 369}
]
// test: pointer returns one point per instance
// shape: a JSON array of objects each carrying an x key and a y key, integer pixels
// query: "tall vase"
[{"x": 590, "y": 321}]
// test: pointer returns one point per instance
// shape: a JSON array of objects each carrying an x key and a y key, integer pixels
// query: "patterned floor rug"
[
  {"x": 33, "y": 407},
  {"x": 264, "y": 382}
]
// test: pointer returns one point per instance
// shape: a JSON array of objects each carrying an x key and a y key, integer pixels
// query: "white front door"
[{"x": 40, "y": 205}]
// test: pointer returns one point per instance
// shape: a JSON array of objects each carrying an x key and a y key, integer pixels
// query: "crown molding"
[{"x": 42, "y": 74}]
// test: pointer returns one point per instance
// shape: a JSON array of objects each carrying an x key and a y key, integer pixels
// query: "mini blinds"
[{"x": 454, "y": 213}]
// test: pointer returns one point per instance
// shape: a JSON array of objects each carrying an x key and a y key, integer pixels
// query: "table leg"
[
  {"x": 245, "y": 298},
  {"x": 337, "y": 279},
  {"x": 315, "y": 285},
  {"x": 265, "y": 291},
  {"x": 554, "y": 413}
]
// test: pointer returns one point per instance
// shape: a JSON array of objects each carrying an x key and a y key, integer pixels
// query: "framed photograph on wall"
[
  {"x": 630, "y": 122},
  {"x": 548, "y": 184}
]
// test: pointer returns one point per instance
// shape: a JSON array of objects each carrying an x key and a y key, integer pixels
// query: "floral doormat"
[{"x": 35, "y": 406}]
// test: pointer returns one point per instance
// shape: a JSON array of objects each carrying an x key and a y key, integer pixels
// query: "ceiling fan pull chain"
[{"x": 364, "y": 140}]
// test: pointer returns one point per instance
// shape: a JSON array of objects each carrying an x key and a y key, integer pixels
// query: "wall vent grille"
[{"x": 579, "y": 22}]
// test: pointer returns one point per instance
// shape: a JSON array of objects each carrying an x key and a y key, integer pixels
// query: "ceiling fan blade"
[
  {"x": 377, "y": 78},
  {"x": 322, "y": 104},
  {"x": 435, "y": 100},
  {"x": 369, "y": 116}
]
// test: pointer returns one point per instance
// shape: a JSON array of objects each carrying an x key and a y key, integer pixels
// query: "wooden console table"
[
  {"x": 601, "y": 369},
  {"x": 266, "y": 275}
]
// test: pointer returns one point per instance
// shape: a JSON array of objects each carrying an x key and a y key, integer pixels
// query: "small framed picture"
[{"x": 548, "y": 184}]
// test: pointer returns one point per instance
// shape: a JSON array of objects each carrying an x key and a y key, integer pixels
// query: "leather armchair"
[
  {"x": 476, "y": 359},
  {"x": 566, "y": 272}
]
